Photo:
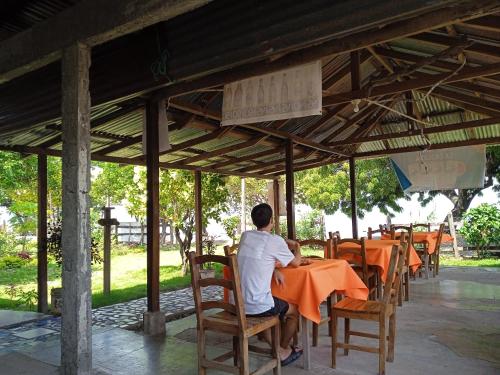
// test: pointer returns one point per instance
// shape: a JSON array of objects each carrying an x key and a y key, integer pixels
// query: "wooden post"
[
  {"x": 153, "y": 206},
  {"x": 354, "y": 208},
  {"x": 276, "y": 208},
  {"x": 42, "y": 234},
  {"x": 107, "y": 222},
  {"x": 243, "y": 214},
  {"x": 198, "y": 213},
  {"x": 453, "y": 233},
  {"x": 76, "y": 329},
  {"x": 290, "y": 191}
]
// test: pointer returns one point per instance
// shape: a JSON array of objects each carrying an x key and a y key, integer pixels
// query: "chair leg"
[
  {"x": 201, "y": 351},
  {"x": 275, "y": 340},
  {"x": 434, "y": 263},
  {"x": 329, "y": 309},
  {"x": 315, "y": 334},
  {"x": 392, "y": 337},
  {"x": 334, "y": 340},
  {"x": 381, "y": 343},
  {"x": 437, "y": 262},
  {"x": 244, "y": 360},
  {"x": 379, "y": 285},
  {"x": 236, "y": 351},
  {"x": 347, "y": 333},
  {"x": 400, "y": 295},
  {"x": 407, "y": 285},
  {"x": 426, "y": 260}
]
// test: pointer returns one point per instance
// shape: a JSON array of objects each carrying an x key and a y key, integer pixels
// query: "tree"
[
  {"x": 18, "y": 190},
  {"x": 111, "y": 183},
  {"x": 482, "y": 227},
  {"x": 136, "y": 198},
  {"x": 255, "y": 192},
  {"x": 177, "y": 203},
  {"x": 327, "y": 188},
  {"x": 462, "y": 198}
]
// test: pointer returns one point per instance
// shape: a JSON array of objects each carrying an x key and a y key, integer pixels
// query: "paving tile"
[{"x": 33, "y": 333}]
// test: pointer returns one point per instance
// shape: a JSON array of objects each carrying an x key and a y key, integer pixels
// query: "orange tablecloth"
[
  {"x": 308, "y": 286},
  {"x": 430, "y": 238},
  {"x": 378, "y": 253}
]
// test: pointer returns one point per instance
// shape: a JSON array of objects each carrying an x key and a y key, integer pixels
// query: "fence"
[{"x": 135, "y": 233}]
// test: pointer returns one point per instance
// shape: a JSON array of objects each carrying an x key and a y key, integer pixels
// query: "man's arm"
[{"x": 295, "y": 246}]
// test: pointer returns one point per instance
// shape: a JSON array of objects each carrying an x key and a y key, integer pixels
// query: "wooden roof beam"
[
  {"x": 434, "y": 146},
  {"x": 447, "y": 40},
  {"x": 413, "y": 84},
  {"x": 351, "y": 42},
  {"x": 486, "y": 23},
  {"x": 418, "y": 132},
  {"x": 126, "y": 161},
  {"x": 43, "y": 43}
]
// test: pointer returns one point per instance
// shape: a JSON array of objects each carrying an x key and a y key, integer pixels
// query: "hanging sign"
[
  {"x": 289, "y": 93},
  {"x": 453, "y": 168},
  {"x": 163, "y": 122}
]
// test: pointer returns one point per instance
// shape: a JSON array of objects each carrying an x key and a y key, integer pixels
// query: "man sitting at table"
[{"x": 258, "y": 252}]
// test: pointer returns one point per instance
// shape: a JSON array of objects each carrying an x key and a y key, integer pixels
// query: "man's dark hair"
[{"x": 261, "y": 215}]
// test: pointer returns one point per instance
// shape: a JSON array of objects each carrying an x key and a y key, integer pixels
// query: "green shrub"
[
  {"x": 8, "y": 243},
  {"x": 311, "y": 226},
  {"x": 11, "y": 262},
  {"x": 481, "y": 227}
]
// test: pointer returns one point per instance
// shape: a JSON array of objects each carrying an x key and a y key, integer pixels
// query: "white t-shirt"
[{"x": 258, "y": 252}]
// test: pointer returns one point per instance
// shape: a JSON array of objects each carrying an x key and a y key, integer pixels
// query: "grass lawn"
[
  {"x": 128, "y": 278},
  {"x": 460, "y": 262}
]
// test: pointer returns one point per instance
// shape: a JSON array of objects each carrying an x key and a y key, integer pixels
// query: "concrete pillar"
[
  {"x": 276, "y": 208},
  {"x": 243, "y": 213},
  {"x": 76, "y": 333}
]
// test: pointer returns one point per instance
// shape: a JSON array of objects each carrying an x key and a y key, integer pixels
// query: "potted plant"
[
  {"x": 208, "y": 244},
  {"x": 54, "y": 247}
]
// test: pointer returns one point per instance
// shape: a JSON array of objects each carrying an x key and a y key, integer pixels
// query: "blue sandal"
[{"x": 294, "y": 355}]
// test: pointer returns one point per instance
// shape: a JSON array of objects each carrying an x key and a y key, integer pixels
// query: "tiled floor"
[
  {"x": 121, "y": 315},
  {"x": 449, "y": 327}
]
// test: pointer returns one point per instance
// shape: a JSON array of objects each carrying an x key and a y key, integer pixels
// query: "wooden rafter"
[
  {"x": 413, "y": 84},
  {"x": 418, "y": 132}
]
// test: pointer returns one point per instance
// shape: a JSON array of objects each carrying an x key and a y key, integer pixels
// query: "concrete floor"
[{"x": 451, "y": 326}]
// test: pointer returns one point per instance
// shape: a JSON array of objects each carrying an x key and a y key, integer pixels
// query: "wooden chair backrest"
[
  {"x": 439, "y": 237},
  {"x": 332, "y": 235},
  {"x": 228, "y": 250},
  {"x": 238, "y": 308},
  {"x": 327, "y": 245},
  {"x": 391, "y": 289},
  {"x": 406, "y": 236},
  {"x": 354, "y": 251},
  {"x": 381, "y": 229},
  {"x": 426, "y": 226}
]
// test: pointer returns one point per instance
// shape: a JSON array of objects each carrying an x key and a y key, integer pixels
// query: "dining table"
[
  {"x": 308, "y": 285},
  {"x": 378, "y": 253}
]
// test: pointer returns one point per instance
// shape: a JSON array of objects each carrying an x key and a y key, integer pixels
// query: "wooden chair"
[
  {"x": 332, "y": 235},
  {"x": 232, "y": 321},
  {"x": 228, "y": 250},
  {"x": 377, "y": 311},
  {"x": 356, "y": 256},
  {"x": 434, "y": 259},
  {"x": 381, "y": 229},
  {"x": 326, "y": 246},
  {"x": 425, "y": 226},
  {"x": 406, "y": 236}
]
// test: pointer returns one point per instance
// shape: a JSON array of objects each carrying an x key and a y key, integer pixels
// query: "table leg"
[{"x": 306, "y": 345}]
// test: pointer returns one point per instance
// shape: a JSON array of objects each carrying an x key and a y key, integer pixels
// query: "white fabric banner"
[
  {"x": 289, "y": 93},
  {"x": 163, "y": 136},
  {"x": 452, "y": 168}
]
